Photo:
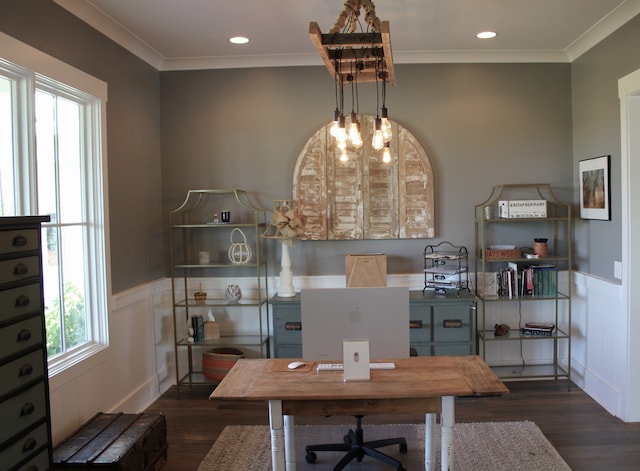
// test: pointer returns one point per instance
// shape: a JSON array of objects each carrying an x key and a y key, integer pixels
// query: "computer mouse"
[{"x": 296, "y": 364}]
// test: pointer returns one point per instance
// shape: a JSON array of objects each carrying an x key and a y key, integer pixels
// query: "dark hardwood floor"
[{"x": 585, "y": 435}]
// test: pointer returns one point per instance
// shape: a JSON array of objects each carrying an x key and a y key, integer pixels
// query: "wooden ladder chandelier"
[
  {"x": 344, "y": 46},
  {"x": 353, "y": 57}
]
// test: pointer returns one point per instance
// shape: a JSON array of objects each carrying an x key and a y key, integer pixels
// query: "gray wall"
[
  {"x": 133, "y": 127},
  {"x": 596, "y": 131},
  {"x": 481, "y": 124}
]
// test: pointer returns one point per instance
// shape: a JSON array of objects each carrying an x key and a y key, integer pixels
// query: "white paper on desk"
[{"x": 355, "y": 357}]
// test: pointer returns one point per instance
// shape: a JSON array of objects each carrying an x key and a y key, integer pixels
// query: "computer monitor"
[{"x": 332, "y": 315}]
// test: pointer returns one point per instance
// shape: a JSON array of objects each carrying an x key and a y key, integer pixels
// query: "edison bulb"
[
  {"x": 386, "y": 125},
  {"x": 377, "y": 142},
  {"x": 386, "y": 154},
  {"x": 354, "y": 135},
  {"x": 333, "y": 130}
]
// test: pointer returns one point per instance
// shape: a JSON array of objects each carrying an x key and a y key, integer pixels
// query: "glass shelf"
[{"x": 489, "y": 336}]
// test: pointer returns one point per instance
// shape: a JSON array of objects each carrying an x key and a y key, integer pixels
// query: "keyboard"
[{"x": 340, "y": 366}]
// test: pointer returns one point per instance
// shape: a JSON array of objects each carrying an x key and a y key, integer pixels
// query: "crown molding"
[
  {"x": 102, "y": 22},
  {"x": 606, "y": 26}
]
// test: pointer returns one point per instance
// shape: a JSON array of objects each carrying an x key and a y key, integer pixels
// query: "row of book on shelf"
[
  {"x": 531, "y": 280},
  {"x": 197, "y": 324}
]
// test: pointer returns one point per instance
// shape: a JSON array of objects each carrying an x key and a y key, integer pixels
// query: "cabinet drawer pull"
[
  {"x": 29, "y": 444},
  {"x": 415, "y": 324},
  {"x": 22, "y": 301},
  {"x": 19, "y": 241},
  {"x": 24, "y": 335},
  {"x": 27, "y": 409},
  {"x": 25, "y": 370},
  {"x": 452, "y": 323},
  {"x": 20, "y": 269},
  {"x": 293, "y": 326}
]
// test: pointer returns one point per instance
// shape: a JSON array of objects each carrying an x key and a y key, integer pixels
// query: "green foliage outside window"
[{"x": 74, "y": 321}]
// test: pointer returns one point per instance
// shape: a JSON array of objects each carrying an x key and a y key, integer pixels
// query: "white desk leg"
[
  {"x": 429, "y": 445},
  {"x": 277, "y": 435},
  {"x": 290, "y": 442},
  {"x": 447, "y": 419}
]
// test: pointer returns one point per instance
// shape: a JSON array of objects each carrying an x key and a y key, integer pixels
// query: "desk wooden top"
[{"x": 414, "y": 377}]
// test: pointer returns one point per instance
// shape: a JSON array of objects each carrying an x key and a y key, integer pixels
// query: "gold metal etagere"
[
  {"x": 196, "y": 226},
  {"x": 494, "y": 237}
]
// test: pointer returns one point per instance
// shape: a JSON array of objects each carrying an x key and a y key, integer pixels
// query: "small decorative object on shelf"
[
  {"x": 500, "y": 330},
  {"x": 239, "y": 252},
  {"x": 287, "y": 226},
  {"x": 233, "y": 293},
  {"x": 540, "y": 247},
  {"x": 200, "y": 296},
  {"x": 446, "y": 267}
]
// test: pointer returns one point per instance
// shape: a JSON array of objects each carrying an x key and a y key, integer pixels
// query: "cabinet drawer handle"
[
  {"x": 25, "y": 370},
  {"x": 22, "y": 301},
  {"x": 19, "y": 241},
  {"x": 452, "y": 323},
  {"x": 293, "y": 326},
  {"x": 415, "y": 324},
  {"x": 29, "y": 444},
  {"x": 20, "y": 269},
  {"x": 24, "y": 335},
  {"x": 27, "y": 409}
]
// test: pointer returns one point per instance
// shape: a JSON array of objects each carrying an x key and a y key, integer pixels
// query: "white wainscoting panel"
[{"x": 602, "y": 339}]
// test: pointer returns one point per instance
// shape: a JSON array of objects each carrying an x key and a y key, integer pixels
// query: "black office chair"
[{"x": 357, "y": 448}]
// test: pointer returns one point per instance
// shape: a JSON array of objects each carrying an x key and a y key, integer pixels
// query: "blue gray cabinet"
[
  {"x": 440, "y": 324},
  {"x": 25, "y": 428}
]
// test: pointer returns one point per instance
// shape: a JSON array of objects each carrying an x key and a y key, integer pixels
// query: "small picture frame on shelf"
[{"x": 595, "y": 190}]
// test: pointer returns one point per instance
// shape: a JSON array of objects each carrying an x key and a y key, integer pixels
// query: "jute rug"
[{"x": 490, "y": 446}]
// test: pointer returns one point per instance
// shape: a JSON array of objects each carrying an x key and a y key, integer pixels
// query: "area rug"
[{"x": 490, "y": 446}]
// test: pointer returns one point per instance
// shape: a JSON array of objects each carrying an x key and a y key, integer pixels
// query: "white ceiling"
[{"x": 193, "y": 34}]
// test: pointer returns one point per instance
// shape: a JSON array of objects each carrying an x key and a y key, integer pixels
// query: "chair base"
[{"x": 357, "y": 448}]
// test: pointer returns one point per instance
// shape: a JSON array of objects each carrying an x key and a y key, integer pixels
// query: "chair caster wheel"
[{"x": 310, "y": 457}]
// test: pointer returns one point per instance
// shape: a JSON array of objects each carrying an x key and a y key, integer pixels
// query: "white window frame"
[{"x": 29, "y": 66}]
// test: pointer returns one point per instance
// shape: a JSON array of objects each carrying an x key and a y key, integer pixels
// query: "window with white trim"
[{"x": 52, "y": 163}]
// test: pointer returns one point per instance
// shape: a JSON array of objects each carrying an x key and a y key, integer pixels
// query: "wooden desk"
[{"x": 418, "y": 385}]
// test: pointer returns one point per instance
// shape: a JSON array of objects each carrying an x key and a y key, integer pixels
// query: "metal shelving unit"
[
  {"x": 193, "y": 228},
  {"x": 540, "y": 356}
]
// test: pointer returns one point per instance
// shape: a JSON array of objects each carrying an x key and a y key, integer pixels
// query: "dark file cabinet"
[{"x": 25, "y": 429}]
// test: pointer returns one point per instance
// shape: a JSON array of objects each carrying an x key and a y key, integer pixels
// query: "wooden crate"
[{"x": 115, "y": 442}]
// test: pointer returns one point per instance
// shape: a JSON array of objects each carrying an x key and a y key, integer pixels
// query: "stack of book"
[
  {"x": 540, "y": 280},
  {"x": 197, "y": 324},
  {"x": 536, "y": 328}
]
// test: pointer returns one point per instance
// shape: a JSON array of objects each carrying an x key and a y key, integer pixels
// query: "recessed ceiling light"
[
  {"x": 486, "y": 35},
  {"x": 239, "y": 40}
]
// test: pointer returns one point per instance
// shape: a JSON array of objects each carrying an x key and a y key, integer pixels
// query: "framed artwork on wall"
[{"x": 595, "y": 190}]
